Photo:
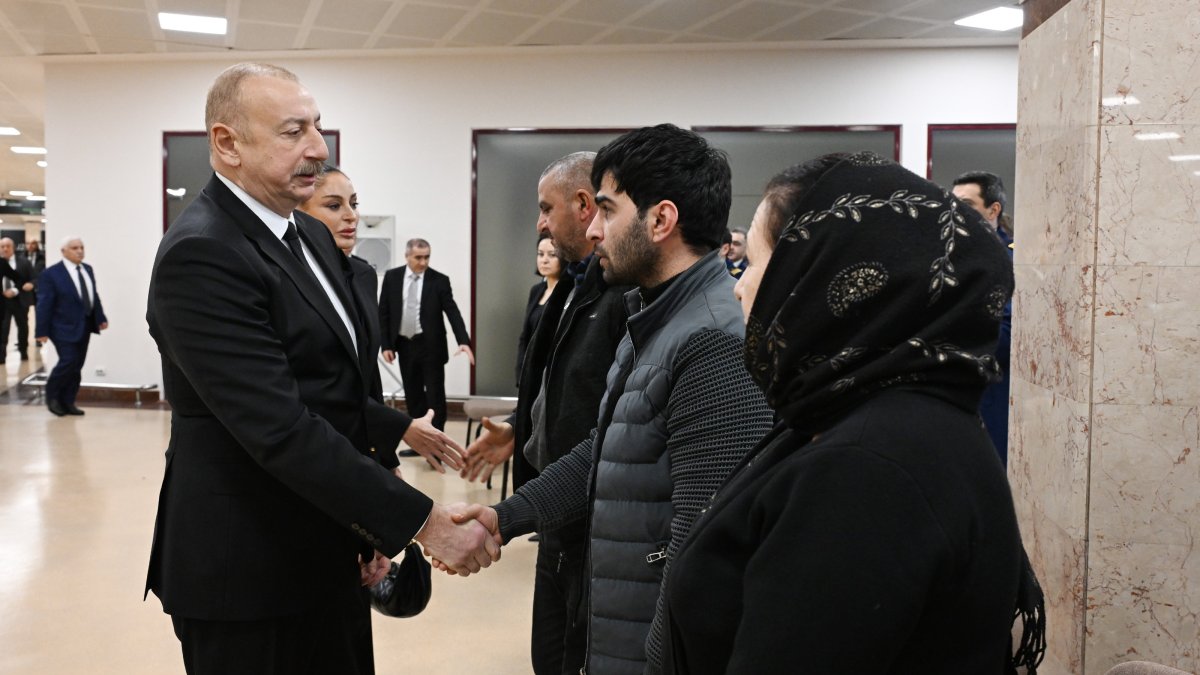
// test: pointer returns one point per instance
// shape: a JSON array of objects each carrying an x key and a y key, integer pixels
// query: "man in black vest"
[
  {"x": 562, "y": 382},
  {"x": 679, "y": 410}
]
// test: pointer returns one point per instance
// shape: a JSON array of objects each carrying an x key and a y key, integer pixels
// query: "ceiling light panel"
[
  {"x": 998, "y": 19},
  {"x": 191, "y": 23}
]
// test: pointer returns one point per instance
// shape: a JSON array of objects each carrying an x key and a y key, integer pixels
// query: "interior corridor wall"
[{"x": 406, "y": 122}]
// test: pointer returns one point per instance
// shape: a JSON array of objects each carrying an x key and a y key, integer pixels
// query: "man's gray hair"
[
  {"x": 571, "y": 173},
  {"x": 224, "y": 102},
  {"x": 68, "y": 239},
  {"x": 416, "y": 242}
]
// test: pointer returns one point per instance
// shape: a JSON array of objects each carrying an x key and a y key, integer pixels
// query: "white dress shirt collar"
[{"x": 274, "y": 222}]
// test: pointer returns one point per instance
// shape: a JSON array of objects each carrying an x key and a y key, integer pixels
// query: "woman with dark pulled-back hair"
[{"x": 873, "y": 530}]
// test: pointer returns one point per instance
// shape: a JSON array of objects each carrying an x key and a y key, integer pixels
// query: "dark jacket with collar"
[
  {"x": 271, "y": 423},
  {"x": 570, "y": 353},
  {"x": 365, "y": 282},
  {"x": 437, "y": 299}
]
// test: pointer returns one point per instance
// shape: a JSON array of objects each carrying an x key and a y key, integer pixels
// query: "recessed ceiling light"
[
  {"x": 20, "y": 193},
  {"x": 36, "y": 198},
  {"x": 191, "y": 23},
  {"x": 42, "y": 163},
  {"x": 1156, "y": 136},
  {"x": 22, "y": 150},
  {"x": 1113, "y": 101},
  {"x": 1184, "y": 158},
  {"x": 9, "y": 131},
  {"x": 1000, "y": 19}
]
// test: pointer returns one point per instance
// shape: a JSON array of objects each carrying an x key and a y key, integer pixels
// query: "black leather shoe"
[
  {"x": 56, "y": 408},
  {"x": 71, "y": 409}
]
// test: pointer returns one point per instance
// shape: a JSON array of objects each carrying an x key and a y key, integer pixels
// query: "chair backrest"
[{"x": 1144, "y": 668}]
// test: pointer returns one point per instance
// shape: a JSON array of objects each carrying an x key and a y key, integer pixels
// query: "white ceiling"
[{"x": 34, "y": 28}]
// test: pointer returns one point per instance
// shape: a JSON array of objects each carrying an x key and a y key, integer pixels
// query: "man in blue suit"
[{"x": 68, "y": 312}]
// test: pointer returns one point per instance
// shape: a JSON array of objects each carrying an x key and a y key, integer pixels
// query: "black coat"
[
  {"x": 366, "y": 286},
  {"x": 269, "y": 493},
  {"x": 533, "y": 314},
  {"x": 436, "y": 299},
  {"x": 23, "y": 273},
  {"x": 887, "y": 545},
  {"x": 572, "y": 355}
]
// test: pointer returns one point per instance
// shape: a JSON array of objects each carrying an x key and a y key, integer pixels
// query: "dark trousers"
[
  {"x": 13, "y": 310},
  {"x": 559, "y": 642},
  {"x": 63, "y": 383},
  {"x": 424, "y": 379},
  {"x": 333, "y": 637}
]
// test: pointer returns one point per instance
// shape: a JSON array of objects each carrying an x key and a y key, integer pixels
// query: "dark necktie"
[
  {"x": 292, "y": 239},
  {"x": 84, "y": 295}
]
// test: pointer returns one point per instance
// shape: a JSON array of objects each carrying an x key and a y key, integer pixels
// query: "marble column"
[{"x": 1104, "y": 453}]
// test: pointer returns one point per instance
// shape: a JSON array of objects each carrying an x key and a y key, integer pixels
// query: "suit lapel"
[{"x": 277, "y": 252}]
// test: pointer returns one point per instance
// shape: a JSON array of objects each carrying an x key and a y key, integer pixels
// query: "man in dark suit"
[
  {"x": 270, "y": 498},
  {"x": 68, "y": 312},
  {"x": 33, "y": 253},
  {"x": 17, "y": 297},
  {"x": 411, "y": 306}
]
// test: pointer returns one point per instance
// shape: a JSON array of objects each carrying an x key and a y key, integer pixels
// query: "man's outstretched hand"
[
  {"x": 434, "y": 445},
  {"x": 461, "y": 547},
  {"x": 472, "y": 513},
  {"x": 485, "y": 453}
]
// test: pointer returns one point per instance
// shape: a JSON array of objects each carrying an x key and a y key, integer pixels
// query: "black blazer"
[
  {"x": 270, "y": 491},
  {"x": 23, "y": 273},
  {"x": 436, "y": 299}
]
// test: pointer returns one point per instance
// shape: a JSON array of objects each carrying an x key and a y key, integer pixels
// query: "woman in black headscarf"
[{"x": 873, "y": 530}]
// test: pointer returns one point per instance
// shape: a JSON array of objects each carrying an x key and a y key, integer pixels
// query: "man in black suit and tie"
[
  {"x": 411, "y": 306},
  {"x": 270, "y": 497},
  {"x": 33, "y": 253},
  {"x": 16, "y": 296}
]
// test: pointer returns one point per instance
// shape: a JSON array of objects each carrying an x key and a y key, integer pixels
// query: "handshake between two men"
[{"x": 460, "y": 538}]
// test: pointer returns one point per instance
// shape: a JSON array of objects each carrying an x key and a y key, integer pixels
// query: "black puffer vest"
[{"x": 631, "y": 482}]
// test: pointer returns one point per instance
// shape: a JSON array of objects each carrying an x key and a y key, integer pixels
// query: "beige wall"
[
  {"x": 406, "y": 124},
  {"x": 1105, "y": 383}
]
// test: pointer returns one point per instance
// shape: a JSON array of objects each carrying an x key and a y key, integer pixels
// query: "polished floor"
[{"x": 77, "y": 501}]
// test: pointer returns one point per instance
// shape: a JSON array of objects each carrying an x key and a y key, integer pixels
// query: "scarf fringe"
[{"x": 1031, "y": 610}]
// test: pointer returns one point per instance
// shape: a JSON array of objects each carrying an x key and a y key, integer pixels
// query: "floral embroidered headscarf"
[{"x": 879, "y": 279}]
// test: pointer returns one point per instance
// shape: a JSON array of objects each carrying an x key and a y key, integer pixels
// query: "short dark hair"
[
  {"x": 665, "y": 162},
  {"x": 789, "y": 187},
  {"x": 991, "y": 188}
]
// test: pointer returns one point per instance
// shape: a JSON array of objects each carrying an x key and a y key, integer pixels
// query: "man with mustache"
[
  {"x": 679, "y": 410},
  {"x": 271, "y": 495}
]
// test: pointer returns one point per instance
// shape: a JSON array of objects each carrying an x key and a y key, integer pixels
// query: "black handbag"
[{"x": 406, "y": 589}]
